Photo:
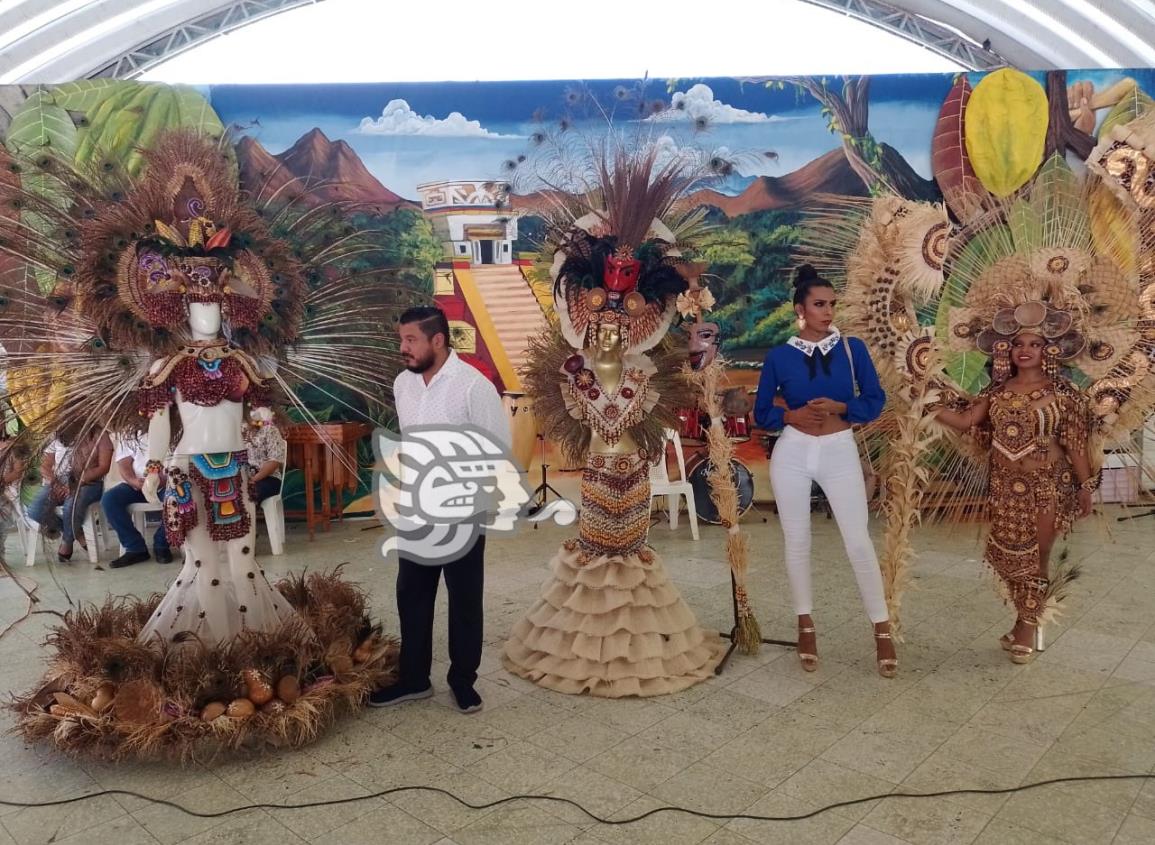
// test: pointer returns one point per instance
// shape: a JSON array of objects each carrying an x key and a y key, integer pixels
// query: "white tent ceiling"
[{"x": 59, "y": 40}]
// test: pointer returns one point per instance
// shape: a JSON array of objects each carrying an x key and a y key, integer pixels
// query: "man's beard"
[{"x": 420, "y": 365}]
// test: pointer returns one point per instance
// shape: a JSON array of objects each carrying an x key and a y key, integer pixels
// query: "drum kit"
[{"x": 738, "y": 424}]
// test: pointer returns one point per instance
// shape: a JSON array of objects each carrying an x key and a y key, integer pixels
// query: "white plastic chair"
[
  {"x": 93, "y": 520},
  {"x": 661, "y": 485},
  {"x": 273, "y": 507},
  {"x": 139, "y": 515}
]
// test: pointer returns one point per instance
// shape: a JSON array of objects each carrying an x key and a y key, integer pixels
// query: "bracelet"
[
  {"x": 1092, "y": 484},
  {"x": 152, "y": 467}
]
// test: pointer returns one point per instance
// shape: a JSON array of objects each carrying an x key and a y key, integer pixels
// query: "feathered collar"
[{"x": 824, "y": 346}]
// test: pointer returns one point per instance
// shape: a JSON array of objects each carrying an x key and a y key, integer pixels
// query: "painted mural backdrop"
[{"x": 450, "y": 175}]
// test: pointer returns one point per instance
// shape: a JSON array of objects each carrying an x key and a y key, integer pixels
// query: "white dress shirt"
[{"x": 457, "y": 395}]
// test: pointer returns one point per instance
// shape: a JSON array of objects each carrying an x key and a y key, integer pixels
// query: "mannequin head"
[
  {"x": 608, "y": 343},
  {"x": 204, "y": 320}
]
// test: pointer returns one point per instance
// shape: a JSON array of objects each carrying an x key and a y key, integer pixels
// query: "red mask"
[{"x": 621, "y": 274}]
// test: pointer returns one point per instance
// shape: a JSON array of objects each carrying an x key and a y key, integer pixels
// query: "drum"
[
  {"x": 698, "y": 475},
  {"x": 737, "y": 427},
  {"x": 522, "y": 427},
  {"x": 690, "y": 426}
]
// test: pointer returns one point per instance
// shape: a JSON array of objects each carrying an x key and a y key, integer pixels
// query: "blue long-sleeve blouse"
[{"x": 800, "y": 378}]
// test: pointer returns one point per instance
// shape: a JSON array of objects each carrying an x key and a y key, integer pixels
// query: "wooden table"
[{"x": 327, "y": 456}]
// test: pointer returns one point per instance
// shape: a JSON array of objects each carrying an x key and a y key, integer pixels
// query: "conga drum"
[{"x": 522, "y": 426}]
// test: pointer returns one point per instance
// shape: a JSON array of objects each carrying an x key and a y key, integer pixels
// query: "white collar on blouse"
[{"x": 807, "y": 347}]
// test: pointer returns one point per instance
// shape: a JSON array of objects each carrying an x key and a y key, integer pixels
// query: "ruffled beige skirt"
[{"x": 611, "y": 626}]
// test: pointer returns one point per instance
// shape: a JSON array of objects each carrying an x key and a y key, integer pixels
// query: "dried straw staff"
[
  {"x": 905, "y": 475},
  {"x": 724, "y": 495}
]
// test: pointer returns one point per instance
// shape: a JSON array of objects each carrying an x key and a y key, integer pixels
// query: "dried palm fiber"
[
  {"x": 542, "y": 378},
  {"x": 159, "y": 693},
  {"x": 724, "y": 494}
]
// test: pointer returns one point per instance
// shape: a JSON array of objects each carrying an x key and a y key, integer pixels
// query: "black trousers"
[{"x": 416, "y": 594}]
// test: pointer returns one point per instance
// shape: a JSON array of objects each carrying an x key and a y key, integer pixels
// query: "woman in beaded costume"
[
  {"x": 609, "y": 622},
  {"x": 1035, "y": 425}
]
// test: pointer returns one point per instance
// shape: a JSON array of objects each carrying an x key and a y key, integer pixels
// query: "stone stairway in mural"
[{"x": 512, "y": 307}]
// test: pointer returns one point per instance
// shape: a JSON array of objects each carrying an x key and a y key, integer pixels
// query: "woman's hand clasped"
[
  {"x": 827, "y": 407},
  {"x": 805, "y": 418}
]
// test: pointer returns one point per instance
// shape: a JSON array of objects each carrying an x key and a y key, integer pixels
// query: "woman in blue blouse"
[{"x": 828, "y": 383}]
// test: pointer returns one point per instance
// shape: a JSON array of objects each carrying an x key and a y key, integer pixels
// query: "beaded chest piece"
[
  {"x": 608, "y": 414},
  {"x": 1019, "y": 428}
]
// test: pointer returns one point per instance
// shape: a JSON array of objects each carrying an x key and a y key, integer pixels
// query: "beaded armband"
[
  {"x": 1092, "y": 484},
  {"x": 153, "y": 467}
]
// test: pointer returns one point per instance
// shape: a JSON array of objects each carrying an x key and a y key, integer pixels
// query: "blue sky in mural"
[{"x": 410, "y": 133}]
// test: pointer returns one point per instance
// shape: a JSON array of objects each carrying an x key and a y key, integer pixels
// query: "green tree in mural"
[{"x": 749, "y": 260}]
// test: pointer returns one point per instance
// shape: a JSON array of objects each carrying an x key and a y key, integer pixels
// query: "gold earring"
[{"x": 801, "y": 322}]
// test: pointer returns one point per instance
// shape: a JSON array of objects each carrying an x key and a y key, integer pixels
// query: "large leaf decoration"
[
  {"x": 968, "y": 370},
  {"x": 131, "y": 115},
  {"x": 87, "y": 94},
  {"x": 1134, "y": 104},
  {"x": 1057, "y": 194},
  {"x": 42, "y": 132},
  {"x": 1006, "y": 130},
  {"x": 949, "y": 162},
  {"x": 1113, "y": 229},
  {"x": 40, "y": 125}
]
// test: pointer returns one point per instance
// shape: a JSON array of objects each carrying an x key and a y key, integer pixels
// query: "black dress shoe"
[
  {"x": 128, "y": 559},
  {"x": 162, "y": 555}
]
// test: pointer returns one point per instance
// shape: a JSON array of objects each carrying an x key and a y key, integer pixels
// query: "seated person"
[
  {"x": 13, "y": 465},
  {"x": 265, "y": 445},
  {"x": 72, "y": 476},
  {"x": 131, "y": 458}
]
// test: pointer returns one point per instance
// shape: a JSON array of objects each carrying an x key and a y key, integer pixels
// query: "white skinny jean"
[{"x": 832, "y": 461}]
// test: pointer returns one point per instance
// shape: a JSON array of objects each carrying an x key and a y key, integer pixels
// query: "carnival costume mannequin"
[
  {"x": 609, "y": 622},
  {"x": 208, "y": 497},
  {"x": 180, "y": 302}
]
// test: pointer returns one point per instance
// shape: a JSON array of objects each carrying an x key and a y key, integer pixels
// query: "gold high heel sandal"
[
  {"x": 1024, "y": 654},
  {"x": 809, "y": 661},
  {"x": 887, "y": 666}
]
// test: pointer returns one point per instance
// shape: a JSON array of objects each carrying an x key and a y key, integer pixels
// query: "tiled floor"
[{"x": 763, "y": 738}]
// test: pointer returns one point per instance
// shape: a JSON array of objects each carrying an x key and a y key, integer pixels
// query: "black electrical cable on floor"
[{"x": 305, "y": 805}]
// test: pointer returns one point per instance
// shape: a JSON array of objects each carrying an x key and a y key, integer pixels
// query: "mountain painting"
[{"x": 452, "y": 176}]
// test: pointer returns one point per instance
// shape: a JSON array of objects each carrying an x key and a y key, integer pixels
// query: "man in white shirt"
[
  {"x": 130, "y": 458},
  {"x": 438, "y": 388}
]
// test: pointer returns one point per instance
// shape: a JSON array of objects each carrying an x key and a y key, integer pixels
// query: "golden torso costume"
[{"x": 609, "y": 622}]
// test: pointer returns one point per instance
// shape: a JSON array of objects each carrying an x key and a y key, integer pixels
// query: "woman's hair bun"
[{"x": 805, "y": 273}]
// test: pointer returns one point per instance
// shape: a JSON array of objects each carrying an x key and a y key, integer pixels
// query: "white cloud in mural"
[
  {"x": 698, "y": 102},
  {"x": 743, "y": 163},
  {"x": 397, "y": 118}
]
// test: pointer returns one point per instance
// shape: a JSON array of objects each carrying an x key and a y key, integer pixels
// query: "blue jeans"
[
  {"x": 75, "y": 507},
  {"x": 115, "y": 502},
  {"x": 266, "y": 487}
]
